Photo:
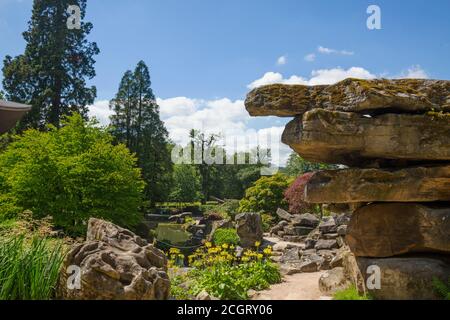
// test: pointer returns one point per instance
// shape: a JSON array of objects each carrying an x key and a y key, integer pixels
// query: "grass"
[
  {"x": 442, "y": 288},
  {"x": 350, "y": 293},
  {"x": 29, "y": 269}
]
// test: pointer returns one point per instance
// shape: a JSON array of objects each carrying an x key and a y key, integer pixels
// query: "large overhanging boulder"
[
  {"x": 405, "y": 278},
  {"x": 416, "y": 184},
  {"x": 351, "y": 95},
  {"x": 10, "y": 113},
  {"x": 114, "y": 264},
  {"x": 391, "y": 229},
  {"x": 356, "y": 140}
]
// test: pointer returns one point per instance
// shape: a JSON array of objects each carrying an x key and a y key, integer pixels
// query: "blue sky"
[{"x": 204, "y": 54}]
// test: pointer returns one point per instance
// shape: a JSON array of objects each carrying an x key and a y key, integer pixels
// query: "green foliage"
[
  {"x": 224, "y": 273},
  {"x": 51, "y": 74},
  {"x": 441, "y": 288},
  {"x": 186, "y": 184},
  {"x": 226, "y": 236},
  {"x": 233, "y": 282},
  {"x": 29, "y": 270},
  {"x": 350, "y": 293},
  {"x": 297, "y": 166},
  {"x": 72, "y": 174},
  {"x": 266, "y": 195},
  {"x": 227, "y": 210},
  {"x": 268, "y": 221},
  {"x": 137, "y": 124}
]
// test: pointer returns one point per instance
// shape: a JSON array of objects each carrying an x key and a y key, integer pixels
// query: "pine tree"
[
  {"x": 51, "y": 74},
  {"x": 137, "y": 124}
]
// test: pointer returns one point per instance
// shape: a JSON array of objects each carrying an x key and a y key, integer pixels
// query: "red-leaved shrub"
[{"x": 295, "y": 195}]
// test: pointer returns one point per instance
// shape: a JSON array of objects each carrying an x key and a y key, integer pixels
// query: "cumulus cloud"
[
  {"x": 282, "y": 61},
  {"x": 414, "y": 72},
  {"x": 100, "y": 110},
  {"x": 318, "y": 77}
]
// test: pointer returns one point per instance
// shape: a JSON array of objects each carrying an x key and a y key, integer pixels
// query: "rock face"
[
  {"x": 396, "y": 135},
  {"x": 249, "y": 228},
  {"x": 351, "y": 95},
  {"x": 115, "y": 264},
  {"x": 406, "y": 278},
  {"x": 386, "y": 230},
  {"x": 417, "y": 184},
  {"x": 333, "y": 280},
  {"x": 353, "y": 139}
]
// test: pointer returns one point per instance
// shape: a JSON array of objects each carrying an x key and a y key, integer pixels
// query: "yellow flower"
[
  {"x": 225, "y": 246},
  {"x": 245, "y": 259},
  {"x": 260, "y": 256},
  {"x": 208, "y": 244},
  {"x": 257, "y": 244},
  {"x": 267, "y": 251}
]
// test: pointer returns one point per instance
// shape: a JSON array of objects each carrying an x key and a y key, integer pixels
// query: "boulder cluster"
[
  {"x": 309, "y": 245},
  {"x": 392, "y": 139}
]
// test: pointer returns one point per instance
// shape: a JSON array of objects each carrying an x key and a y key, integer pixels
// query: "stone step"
[
  {"x": 357, "y": 140},
  {"x": 417, "y": 184}
]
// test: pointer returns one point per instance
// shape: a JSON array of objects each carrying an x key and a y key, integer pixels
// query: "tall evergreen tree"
[
  {"x": 137, "y": 124},
  {"x": 51, "y": 74}
]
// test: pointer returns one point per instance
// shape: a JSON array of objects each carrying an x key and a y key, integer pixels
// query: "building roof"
[{"x": 10, "y": 113}]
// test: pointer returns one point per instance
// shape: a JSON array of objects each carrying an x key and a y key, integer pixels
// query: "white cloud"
[
  {"x": 100, "y": 110},
  {"x": 318, "y": 77},
  {"x": 282, "y": 61},
  {"x": 310, "y": 57},
  {"x": 325, "y": 50},
  {"x": 414, "y": 72}
]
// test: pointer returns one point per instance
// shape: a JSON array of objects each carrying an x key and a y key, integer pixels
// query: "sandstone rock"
[
  {"x": 407, "y": 278},
  {"x": 384, "y": 230},
  {"x": 328, "y": 226},
  {"x": 311, "y": 263},
  {"x": 292, "y": 254},
  {"x": 284, "y": 215},
  {"x": 417, "y": 184},
  {"x": 310, "y": 244},
  {"x": 333, "y": 280},
  {"x": 298, "y": 231},
  {"x": 330, "y": 236},
  {"x": 249, "y": 228},
  {"x": 351, "y": 95},
  {"x": 356, "y": 140},
  {"x": 305, "y": 220},
  {"x": 342, "y": 230},
  {"x": 295, "y": 239},
  {"x": 326, "y": 245},
  {"x": 115, "y": 264}
]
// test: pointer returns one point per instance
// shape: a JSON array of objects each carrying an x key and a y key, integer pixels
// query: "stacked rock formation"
[{"x": 395, "y": 137}]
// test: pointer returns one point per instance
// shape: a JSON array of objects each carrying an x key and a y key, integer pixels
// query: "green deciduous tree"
[
  {"x": 51, "y": 74},
  {"x": 137, "y": 124},
  {"x": 266, "y": 195},
  {"x": 72, "y": 173},
  {"x": 186, "y": 184},
  {"x": 297, "y": 166}
]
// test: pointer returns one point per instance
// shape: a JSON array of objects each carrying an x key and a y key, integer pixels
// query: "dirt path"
[{"x": 302, "y": 286}]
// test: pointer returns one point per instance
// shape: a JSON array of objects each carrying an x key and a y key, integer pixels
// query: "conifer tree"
[{"x": 51, "y": 74}]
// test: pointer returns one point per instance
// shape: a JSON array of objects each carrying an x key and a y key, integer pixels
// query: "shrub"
[
  {"x": 225, "y": 236},
  {"x": 29, "y": 271},
  {"x": 442, "y": 289},
  {"x": 268, "y": 222},
  {"x": 225, "y": 273},
  {"x": 295, "y": 195},
  {"x": 266, "y": 195},
  {"x": 350, "y": 294},
  {"x": 227, "y": 210},
  {"x": 72, "y": 174}
]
